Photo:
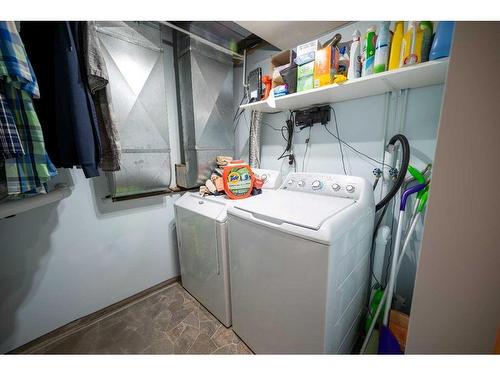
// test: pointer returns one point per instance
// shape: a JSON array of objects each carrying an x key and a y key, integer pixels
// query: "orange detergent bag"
[{"x": 238, "y": 179}]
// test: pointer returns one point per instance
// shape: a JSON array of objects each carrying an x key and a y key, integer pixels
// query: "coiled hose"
[{"x": 402, "y": 172}]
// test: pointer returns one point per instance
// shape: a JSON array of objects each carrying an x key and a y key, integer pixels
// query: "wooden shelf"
[{"x": 420, "y": 75}]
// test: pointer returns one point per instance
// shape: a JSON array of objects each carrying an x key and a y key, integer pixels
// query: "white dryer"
[
  {"x": 299, "y": 263},
  {"x": 201, "y": 224}
]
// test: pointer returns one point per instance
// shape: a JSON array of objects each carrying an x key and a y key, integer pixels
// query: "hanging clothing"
[
  {"x": 10, "y": 144},
  {"x": 66, "y": 108},
  {"x": 98, "y": 82},
  {"x": 15, "y": 68},
  {"x": 28, "y": 172}
]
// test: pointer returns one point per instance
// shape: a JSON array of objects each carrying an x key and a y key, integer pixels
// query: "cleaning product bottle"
[
  {"x": 370, "y": 42},
  {"x": 412, "y": 45},
  {"x": 355, "y": 66},
  {"x": 343, "y": 62},
  {"x": 382, "y": 48},
  {"x": 426, "y": 27},
  {"x": 397, "y": 39},
  {"x": 442, "y": 40}
]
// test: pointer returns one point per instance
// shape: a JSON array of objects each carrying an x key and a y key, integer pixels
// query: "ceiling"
[{"x": 289, "y": 34}]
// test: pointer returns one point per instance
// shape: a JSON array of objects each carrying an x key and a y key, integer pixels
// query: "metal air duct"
[{"x": 206, "y": 102}]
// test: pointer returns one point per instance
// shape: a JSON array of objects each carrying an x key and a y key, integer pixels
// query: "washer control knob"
[
  {"x": 335, "y": 187},
  {"x": 263, "y": 177},
  {"x": 290, "y": 182},
  {"x": 301, "y": 183},
  {"x": 317, "y": 184},
  {"x": 350, "y": 188}
]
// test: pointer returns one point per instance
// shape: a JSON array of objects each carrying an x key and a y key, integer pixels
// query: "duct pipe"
[{"x": 254, "y": 139}]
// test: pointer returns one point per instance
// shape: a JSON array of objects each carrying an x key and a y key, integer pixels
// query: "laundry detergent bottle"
[
  {"x": 442, "y": 40},
  {"x": 397, "y": 39},
  {"x": 369, "y": 58},
  {"x": 382, "y": 48},
  {"x": 412, "y": 45},
  {"x": 355, "y": 67}
]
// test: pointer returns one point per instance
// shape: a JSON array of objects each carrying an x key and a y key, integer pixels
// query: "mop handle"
[
  {"x": 397, "y": 245},
  {"x": 384, "y": 295},
  {"x": 421, "y": 204},
  {"x": 395, "y": 258}
]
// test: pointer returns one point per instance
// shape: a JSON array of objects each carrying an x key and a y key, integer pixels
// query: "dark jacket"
[{"x": 65, "y": 108}]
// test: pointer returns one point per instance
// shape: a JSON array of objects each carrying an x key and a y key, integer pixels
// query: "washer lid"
[
  {"x": 306, "y": 210},
  {"x": 211, "y": 208}
]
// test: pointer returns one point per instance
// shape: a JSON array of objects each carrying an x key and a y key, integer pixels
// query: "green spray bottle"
[
  {"x": 369, "y": 51},
  {"x": 426, "y": 27}
]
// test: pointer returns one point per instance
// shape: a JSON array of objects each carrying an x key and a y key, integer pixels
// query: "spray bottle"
[
  {"x": 369, "y": 48},
  {"x": 426, "y": 27},
  {"x": 382, "y": 48},
  {"x": 355, "y": 65},
  {"x": 397, "y": 39}
]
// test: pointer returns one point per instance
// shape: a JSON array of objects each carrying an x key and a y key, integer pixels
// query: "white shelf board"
[
  {"x": 420, "y": 75},
  {"x": 17, "y": 206}
]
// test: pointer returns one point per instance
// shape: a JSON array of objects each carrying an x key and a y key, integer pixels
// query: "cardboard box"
[
  {"x": 308, "y": 47},
  {"x": 305, "y": 76},
  {"x": 307, "y": 52},
  {"x": 279, "y": 63},
  {"x": 398, "y": 324},
  {"x": 325, "y": 66}
]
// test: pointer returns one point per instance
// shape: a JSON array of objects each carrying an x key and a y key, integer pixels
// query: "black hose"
[{"x": 402, "y": 172}]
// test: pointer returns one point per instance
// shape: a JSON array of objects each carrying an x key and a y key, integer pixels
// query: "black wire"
[
  {"x": 354, "y": 149},
  {"x": 338, "y": 139},
  {"x": 272, "y": 127},
  {"x": 238, "y": 109},
  {"x": 288, "y": 138},
  {"x": 308, "y": 141}
]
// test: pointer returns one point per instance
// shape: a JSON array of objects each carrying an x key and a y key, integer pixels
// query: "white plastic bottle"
[
  {"x": 355, "y": 65},
  {"x": 382, "y": 48}
]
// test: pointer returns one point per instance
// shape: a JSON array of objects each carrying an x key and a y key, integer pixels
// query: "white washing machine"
[
  {"x": 201, "y": 224},
  {"x": 299, "y": 263}
]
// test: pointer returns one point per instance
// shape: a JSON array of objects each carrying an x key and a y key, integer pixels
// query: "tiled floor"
[{"x": 168, "y": 322}]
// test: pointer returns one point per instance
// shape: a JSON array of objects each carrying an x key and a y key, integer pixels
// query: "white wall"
[
  {"x": 69, "y": 259},
  {"x": 367, "y": 124},
  {"x": 456, "y": 308}
]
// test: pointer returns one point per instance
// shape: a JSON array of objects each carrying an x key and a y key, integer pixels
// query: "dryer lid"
[
  {"x": 297, "y": 208},
  {"x": 211, "y": 208}
]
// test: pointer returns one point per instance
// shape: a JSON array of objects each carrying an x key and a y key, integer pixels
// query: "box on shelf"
[
  {"x": 305, "y": 76},
  {"x": 307, "y": 52},
  {"x": 326, "y": 65},
  {"x": 284, "y": 70}
]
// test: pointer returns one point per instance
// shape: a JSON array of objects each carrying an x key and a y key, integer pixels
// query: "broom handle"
[
  {"x": 394, "y": 262},
  {"x": 384, "y": 295}
]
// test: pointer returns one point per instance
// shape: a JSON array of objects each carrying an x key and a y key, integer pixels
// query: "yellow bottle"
[
  {"x": 397, "y": 39},
  {"x": 411, "y": 48}
]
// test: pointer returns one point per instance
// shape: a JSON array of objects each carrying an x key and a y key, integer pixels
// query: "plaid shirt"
[
  {"x": 10, "y": 144},
  {"x": 15, "y": 67},
  {"x": 29, "y": 172},
  {"x": 33, "y": 169}
]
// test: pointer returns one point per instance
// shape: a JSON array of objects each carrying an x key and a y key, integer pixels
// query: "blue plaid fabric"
[
  {"x": 15, "y": 67},
  {"x": 27, "y": 173},
  {"x": 10, "y": 144}
]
